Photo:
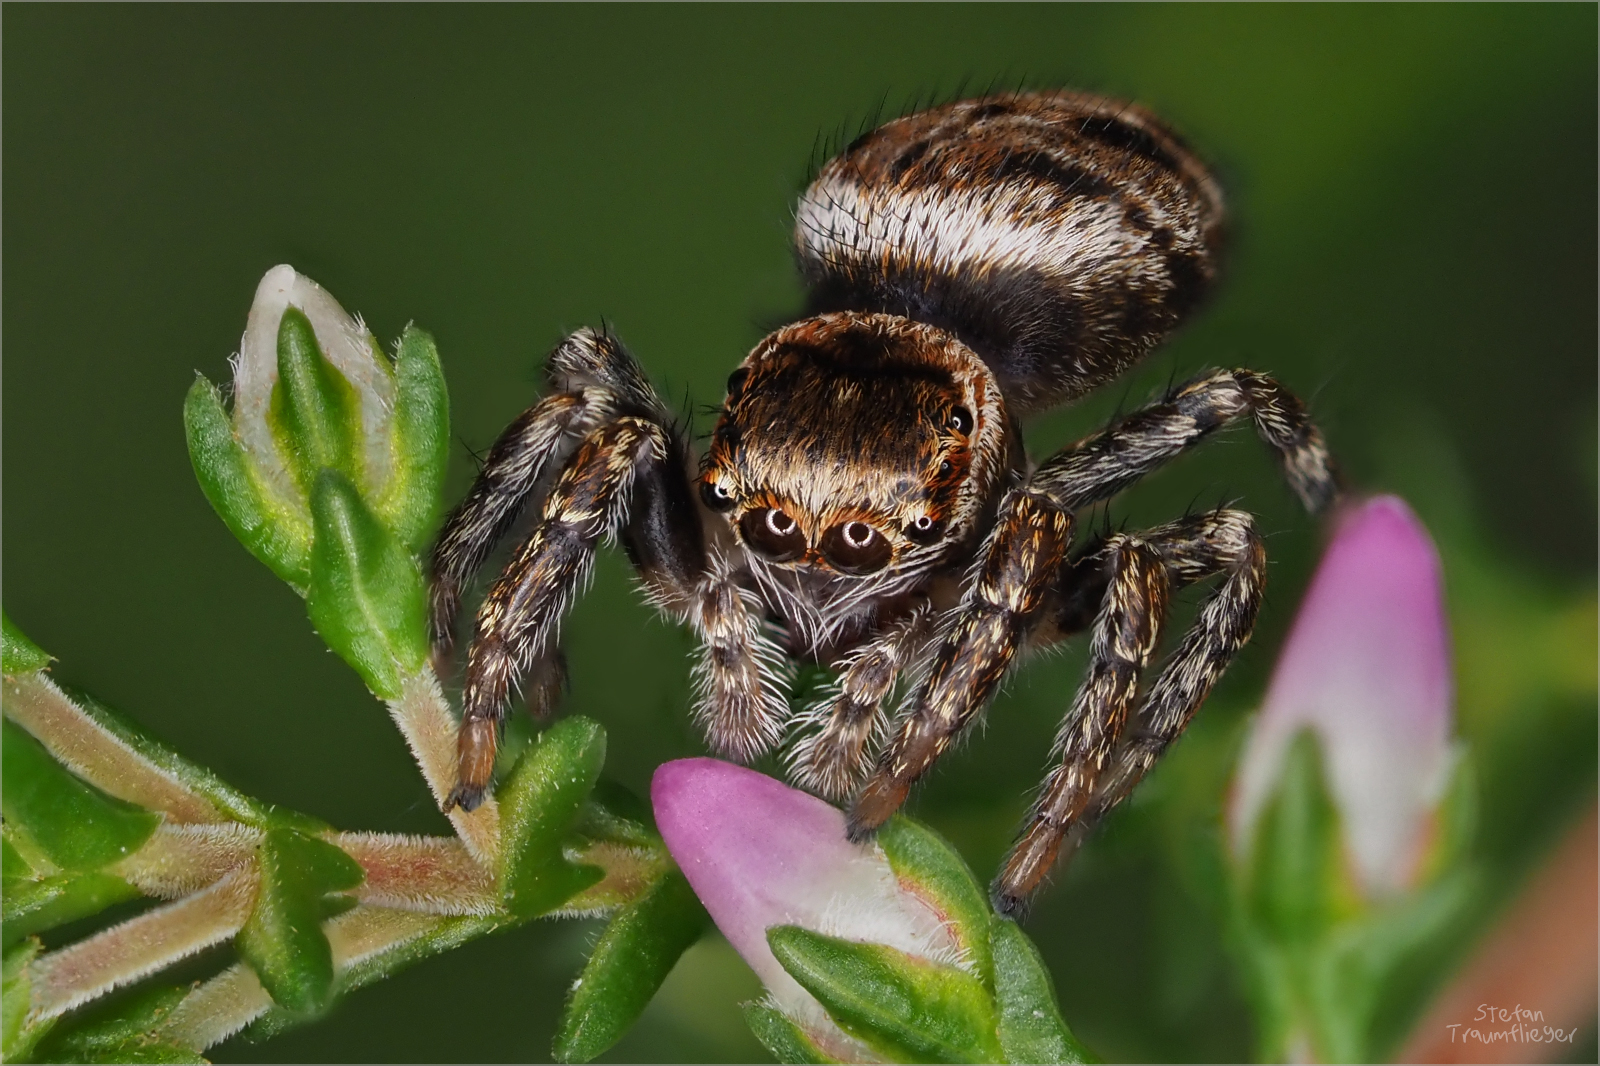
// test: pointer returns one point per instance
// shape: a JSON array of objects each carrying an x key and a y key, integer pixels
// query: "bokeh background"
[{"x": 1414, "y": 194}]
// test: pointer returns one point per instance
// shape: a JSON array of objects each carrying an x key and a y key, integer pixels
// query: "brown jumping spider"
[{"x": 866, "y": 502}]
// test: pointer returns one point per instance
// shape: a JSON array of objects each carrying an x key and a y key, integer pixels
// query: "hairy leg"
[
  {"x": 1098, "y": 766},
  {"x": 520, "y": 619},
  {"x": 1100, "y": 466},
  {"x": 1021, "y": 561},
  {"x": 833, "y": 760}
]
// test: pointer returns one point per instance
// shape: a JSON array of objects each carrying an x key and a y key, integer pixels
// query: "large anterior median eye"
[
  {"x": 774, "y": 534},
  {"x": 856, "y": 548}
]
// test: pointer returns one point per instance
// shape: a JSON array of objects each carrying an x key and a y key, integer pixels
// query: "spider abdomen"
[{"x": 1061, "y": 236}]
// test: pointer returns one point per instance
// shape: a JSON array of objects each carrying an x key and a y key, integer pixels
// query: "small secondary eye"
[
  {"x": 716, "y": 496},
  {"x": 856, "y": 548},
  {"x": 960, "y": 420},
  {"x": 774, "y": 534},
  {"x": 923, "y": 529},
  {"x": 736, "y": 382},
  {"x": 945, "y": 468}
]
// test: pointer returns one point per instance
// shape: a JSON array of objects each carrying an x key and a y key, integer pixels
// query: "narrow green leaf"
[
  {"x": 780, "y": 1036},
  {"x": 277, "y": 538},
  {"x": 421, "y": 441},
  {"x": 910, "y": 1009},
  {"x": 34, "y": 906},
  {"x": 315, "y": 413},
  {"x": 366, "y": 596},
  {"x": 1031, "y": 1028},
  {"x": 19, "y": 654},
  {"x": 122, "y": 1031},
  {"x": 638, "y": 949},
  {"x": 283, "y": 939},
  {"x": 928, "y": 865},
  {"x": 17, "y": 1037},
  {"x": 539, "y": 803},
  {"x": 1296, "y": 863},
  {"x": 75, "y": 824}
]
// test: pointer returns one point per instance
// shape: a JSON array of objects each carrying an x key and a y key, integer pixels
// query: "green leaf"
[
  {"x": 73, "y": 823},
  {"x": 280, "y": 539},
  {"x": 20, "y": 655},
  {"x": 928, "y": 865},
  {"x": 125, "y": 1031},
  {"x": 539, "y": 804},
  {"x": 780, "y": 1036},
  {"x": 910, "y": 1009},
  {"x": 633, "y": 956},
  {"x": 283, "y": 939},
  {"x": 34, "y": 906},
  {"x": 1031, "y": 1028},
  {"x": 315, "y": 413},
  {"x": 17, "y": 1037},
  {"x": 421, "y": 441},
  {"x": 366, "y": 596}
]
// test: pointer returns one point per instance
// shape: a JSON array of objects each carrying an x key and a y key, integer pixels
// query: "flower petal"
[
  {"x": 760, "y": 854},
  {"x": 1367, "y": 667}
]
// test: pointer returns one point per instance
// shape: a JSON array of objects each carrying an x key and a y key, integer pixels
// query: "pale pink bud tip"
[
  {"x": 1367, "y": 668},
  {"x": 759, "y": 853}
]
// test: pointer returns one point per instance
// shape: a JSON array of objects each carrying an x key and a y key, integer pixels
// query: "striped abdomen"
[{"x": 1061, "y": 236}]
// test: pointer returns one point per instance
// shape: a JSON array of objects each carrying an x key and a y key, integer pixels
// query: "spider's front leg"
[
  {"x": 1020, "y": 562},
  {"x": 1100, "y": 759},
  {"x": 833, "y": 760},
  {"x": 520, "y": 618}
]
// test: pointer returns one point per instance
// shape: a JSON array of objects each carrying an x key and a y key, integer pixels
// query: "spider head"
[{"x": 855, "y": 444}]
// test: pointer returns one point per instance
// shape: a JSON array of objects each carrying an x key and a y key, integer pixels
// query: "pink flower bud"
[{"x": 1367, "y": 668}]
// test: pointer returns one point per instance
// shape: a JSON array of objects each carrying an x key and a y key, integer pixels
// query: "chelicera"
[{"x": 865, "y": 501}]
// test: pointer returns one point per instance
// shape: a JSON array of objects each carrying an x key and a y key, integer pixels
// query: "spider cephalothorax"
[{"x": 865, "y": 502}]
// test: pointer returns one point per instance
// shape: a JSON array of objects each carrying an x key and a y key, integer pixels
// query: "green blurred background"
[{"x": 1414, "y": 192}]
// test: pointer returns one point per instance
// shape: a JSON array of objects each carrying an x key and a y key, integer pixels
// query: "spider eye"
[
  {"x": 856, "y": 548},
  {"x": 774, "y": 534},
  {"x": 736, "y": 382},
  {"x": 960, "y": 420},
  {"x": 716, "y": 496},
  {"x": 923, "y": 529}
]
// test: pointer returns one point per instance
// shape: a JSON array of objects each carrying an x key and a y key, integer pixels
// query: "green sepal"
[
  {"x": 18, "y": 654},
  {"x": 34, "y": 906},
  {"x": 17, "y": 1037},
  {"x": 1030, "y": 1028},
  {"x": 638, "y": 949},
  {"x": 273, "y": 534},
  {"x": 74, "y": 824},
  {"x": 539, "y": 804},
  {"x": 928, "y": 865},
  {"x": 283, "y": 939},
  {"x": 126, "y": 1031},
  {"x": 786, "y": 1040},
  {"x": 420, "y": 443},
  {"x": 1297, "y": 883},
  {"x": 227, "y": 799},
  {"x": 315, "y": 414},
  {"x": 366, "y": 596},
  {"x": 906, "y": 1008}
]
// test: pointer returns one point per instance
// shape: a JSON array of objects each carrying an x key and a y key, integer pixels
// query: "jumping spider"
[{"x": 866, "y": 502}]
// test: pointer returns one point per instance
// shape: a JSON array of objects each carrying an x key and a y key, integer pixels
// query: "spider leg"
[
  {"x": 594, "y": 379},
  {"x": 833, "y": 760},
  {"x": 1018, "y": 566},
  {"x": 521, "y": 617},
  {"x": 742, "y": 675},
  {"x": 1099, "y": 760},
  {"x": 1100, "y": 466}
]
